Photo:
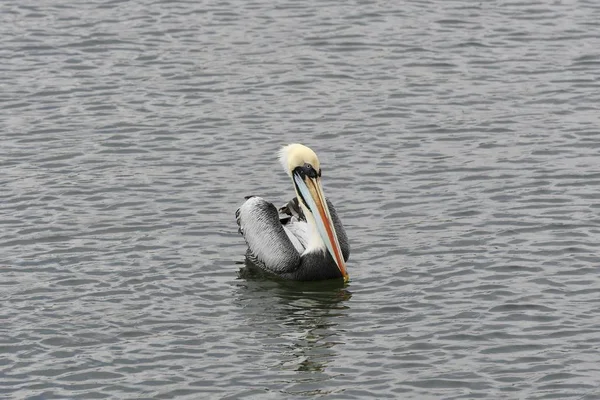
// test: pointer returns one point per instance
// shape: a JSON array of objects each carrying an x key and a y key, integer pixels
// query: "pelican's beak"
[{"x": 312, "y": 192}]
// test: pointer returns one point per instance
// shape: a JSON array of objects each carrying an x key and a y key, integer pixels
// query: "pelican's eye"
[{"x": 309, "y": 171}]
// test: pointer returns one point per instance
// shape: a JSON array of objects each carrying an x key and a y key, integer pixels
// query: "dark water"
[{"x": 460, "y": 142}]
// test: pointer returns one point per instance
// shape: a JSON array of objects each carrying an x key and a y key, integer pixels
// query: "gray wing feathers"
[
  {"x": 266, "y": 238},
  {"x": 339, "y": 229},
  {"x": 297, "y": 231}
]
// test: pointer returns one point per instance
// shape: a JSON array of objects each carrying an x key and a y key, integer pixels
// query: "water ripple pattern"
[{"x": 460, "y": 142}]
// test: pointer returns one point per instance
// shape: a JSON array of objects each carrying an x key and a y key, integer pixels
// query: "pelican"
[{"x": 305, "y": 243}]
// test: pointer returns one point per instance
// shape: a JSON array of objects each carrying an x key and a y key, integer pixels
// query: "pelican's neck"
[{"x": 315, "y": 242}]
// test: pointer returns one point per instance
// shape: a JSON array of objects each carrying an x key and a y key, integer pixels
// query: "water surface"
[{"x": 459, "y": 142}]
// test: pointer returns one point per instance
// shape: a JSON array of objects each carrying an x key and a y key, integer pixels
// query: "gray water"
[{"x": 460, "y": 143}]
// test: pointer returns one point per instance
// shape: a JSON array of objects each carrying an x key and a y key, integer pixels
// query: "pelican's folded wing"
[{"x": 267, "y": 240}]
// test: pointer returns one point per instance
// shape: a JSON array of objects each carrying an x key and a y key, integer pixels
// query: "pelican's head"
[{"x": 302, "y": 165}]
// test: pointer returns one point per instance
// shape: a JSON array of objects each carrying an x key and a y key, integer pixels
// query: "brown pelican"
[{"x": 307, "y": 243}]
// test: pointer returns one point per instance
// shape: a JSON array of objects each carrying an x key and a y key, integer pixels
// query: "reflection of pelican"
[
  {"x": 301, "y": 329},
  {"x": 309, "y": 243}
]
